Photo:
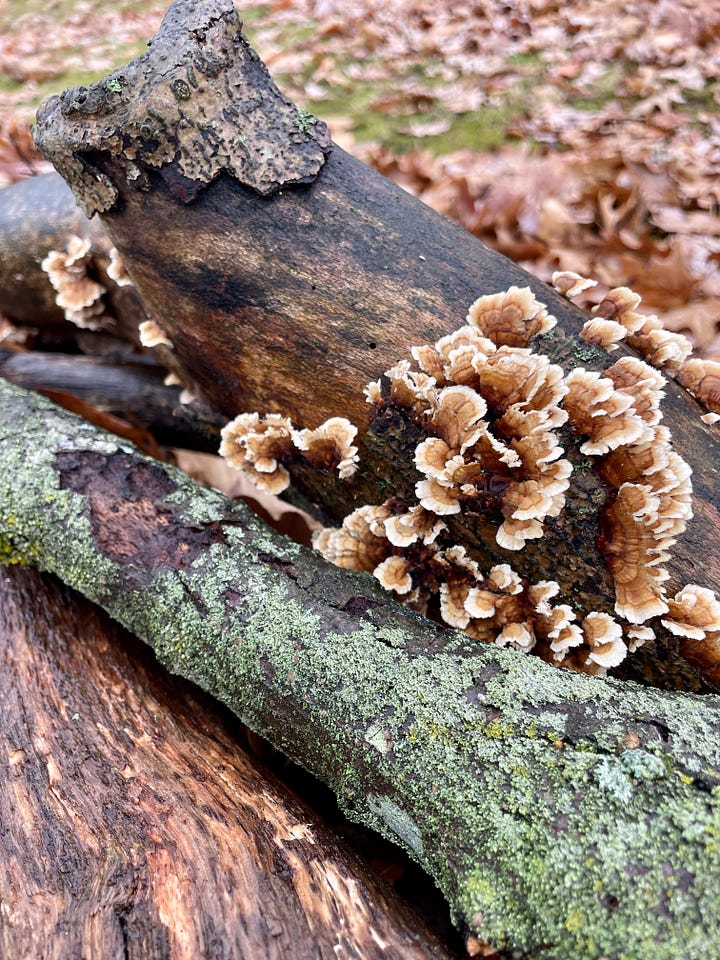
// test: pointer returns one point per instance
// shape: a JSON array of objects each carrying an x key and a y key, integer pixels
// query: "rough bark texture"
[
  {"x": 292, "y": 301},
  {"x": 135, "y": 827},
  {"x": 562, "y": 815}
]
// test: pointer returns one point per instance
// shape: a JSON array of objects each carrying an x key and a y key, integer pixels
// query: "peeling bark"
[{"x": 560, "y": 815}]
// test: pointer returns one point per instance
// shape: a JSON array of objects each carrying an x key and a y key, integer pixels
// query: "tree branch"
[
  {"x": 288, "y": 293},
  {"x": 562, "y": 815}
]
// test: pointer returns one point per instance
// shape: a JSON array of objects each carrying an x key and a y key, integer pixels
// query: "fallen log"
[
  {"x": 136, "y": 826},
  {"x": 561, "y": 815},
  {"x": 133, "y": 390},
  {"x": 39, "y": 215},
  {"x": 286, "y": 276}
]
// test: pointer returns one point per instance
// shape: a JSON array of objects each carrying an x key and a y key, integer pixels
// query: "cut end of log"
[{"x": 199, "y": 103}]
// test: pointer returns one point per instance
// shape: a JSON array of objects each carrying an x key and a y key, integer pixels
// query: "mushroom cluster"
[
  {"x": 616, "y": 318},
  {"x": 78, "y": 295},
  {"x": 402, "y": 548},
  {"x": 490, "y": 408},
  {"x": 263, "y": 447},
  {"x": 490, "y": 411}
]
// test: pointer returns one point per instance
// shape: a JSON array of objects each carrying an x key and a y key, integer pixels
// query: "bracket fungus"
[
  {"x": 78, "y": 294},
  {"x": 152, "y": 335},
  {"x": 492, "y": 414},
  {"x": 116, "y": 269},
  {"x": 263, "y": 447},
  {"x": 701, "y": 378}
]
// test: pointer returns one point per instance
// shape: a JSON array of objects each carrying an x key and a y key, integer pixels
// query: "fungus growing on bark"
[
  {"x": 78, "y": 295},
  {"x": 152, "y": 335},
  {"x": 263, "y": 447},
  {"x": 638, "y": 636},
  {"x": 257, "y": 445},
  {"x": 116, "y": 269},
  {"x": 603, "y": 636},
  {"x": 511, "y": 318},
  {"x": 490, "y": 411},
  {"x": 329, "y": 446},
  {"x": 571, "y": 284},
  {"x": 701, "y": 378},
  {"x": 693, "y": 612}
]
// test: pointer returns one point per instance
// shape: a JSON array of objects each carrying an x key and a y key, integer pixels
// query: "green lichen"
[
  {"x": 305, "y": 121},
  {"x": 505, "y": 778}
]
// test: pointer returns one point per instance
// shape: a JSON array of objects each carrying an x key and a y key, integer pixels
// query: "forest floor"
[{"x": 582, "y": 136}]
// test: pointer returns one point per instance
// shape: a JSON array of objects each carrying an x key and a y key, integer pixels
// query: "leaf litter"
[{"x": 582, "y": 136}]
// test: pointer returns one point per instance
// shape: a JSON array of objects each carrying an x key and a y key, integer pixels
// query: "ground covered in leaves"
[{"x": 582, "y": 136}]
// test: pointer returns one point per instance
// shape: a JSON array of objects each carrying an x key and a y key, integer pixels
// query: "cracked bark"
[
  {"x": 560, "y": 815},
  {"x": 135, "y": 825}
]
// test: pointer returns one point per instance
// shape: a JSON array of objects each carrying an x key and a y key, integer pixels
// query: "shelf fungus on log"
[
  {"x": 78, "y": 294},
  {"x": 617, "y": 318},
  {"x": 352, "y": 272},
  {"x": 263, "y": 447},
  {"x": 489, "y": 411}
]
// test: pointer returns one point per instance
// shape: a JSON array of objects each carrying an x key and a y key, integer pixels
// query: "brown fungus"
[
  {"x": 257, "y": 445},
  {"x": 603, "y": 636},
  {"x": 490, "y": 410},
  {"x": 701, "y": 378},
  {"x": 116, "y": 269},
  {"x": 571, "y": 284},
  {"x": 78, "y": 295},
  {"x": 152, "y": 335},
  {"x": 693, "y": 612},
  {"x": 329, "y": 447},
  {"x": 511, "y": 318}
]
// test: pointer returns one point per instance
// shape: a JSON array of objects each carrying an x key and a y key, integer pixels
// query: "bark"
[
  {"x": 134, "y": 391},
  {"x": 135, "y": 825},
  {"x": 286, "y": 284},
  {"x": 561, "y": 815}
]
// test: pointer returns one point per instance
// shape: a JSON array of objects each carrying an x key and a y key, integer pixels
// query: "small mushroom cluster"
[
  {"x": 490, "y": 407},
  {"x": 401, "y": 547},
  {"x": 263, "y": 446},
  {"x": 619, "y": 412},
  {"x": 78, "y": 295},
  {"x": 616, "y": 318}
]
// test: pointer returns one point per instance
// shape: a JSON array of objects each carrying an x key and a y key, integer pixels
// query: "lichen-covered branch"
[{"x": 561, "y": 815}]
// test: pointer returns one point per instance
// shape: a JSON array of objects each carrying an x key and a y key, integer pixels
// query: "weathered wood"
[
  {"x": 291, "y": 301},
  {"x": 38, "y": 215},
  {"x": 136, "y": 826},
  {"x": 562, "y": 815},
  {"x": 132, "y": 390}
]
